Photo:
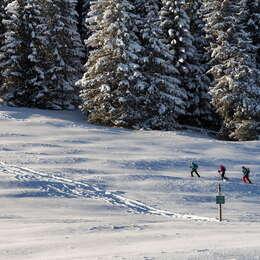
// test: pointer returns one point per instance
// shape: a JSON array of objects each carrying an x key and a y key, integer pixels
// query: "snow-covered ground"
[{"x": 71, "y": 190}]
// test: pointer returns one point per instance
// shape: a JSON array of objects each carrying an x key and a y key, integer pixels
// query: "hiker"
[
  {"x": 246, "y": 172},
  {"x": 222, "y": 172},
  {"x": 194, "y": 169}
]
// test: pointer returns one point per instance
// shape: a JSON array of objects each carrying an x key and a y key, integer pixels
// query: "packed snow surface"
[{"x": 71, "y": 190}]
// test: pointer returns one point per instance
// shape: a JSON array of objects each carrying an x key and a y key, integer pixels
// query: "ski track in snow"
[{"x": 60, "y": 186}]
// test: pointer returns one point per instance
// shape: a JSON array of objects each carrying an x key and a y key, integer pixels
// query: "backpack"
[
  {"x": 222, "y": 168},
  {"x": 246, "y": 171},
  {"x": 194, "y": 166}
]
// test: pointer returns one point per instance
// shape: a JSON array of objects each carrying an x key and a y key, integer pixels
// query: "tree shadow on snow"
[{"x": 64, "y": 118}]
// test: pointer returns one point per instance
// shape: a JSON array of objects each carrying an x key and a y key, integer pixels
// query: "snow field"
[{"x": 70, "y": 190}]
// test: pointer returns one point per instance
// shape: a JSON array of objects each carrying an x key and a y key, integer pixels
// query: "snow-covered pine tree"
[
  {"x": 35, "y": 23},
  {"x": 201, "y": 108},
  {"x": 2, "y": 30},
  {"x": 254, "y": 29},
  {"x": 64, "y": 54},
  {"x": 79, "y": 8},
  {"x": 236, "y": 95},
  {"x": 177, "y": 26},
  {"x": 254, "y": 25},
  {"x": 13, "y": 59},
  {"x": 2, "y": 12},
  {"x": 113, "y": 90},
  {"x": 165, "y": 95},
  {"x": 21, "y": 74},
  {"x": 40, "y": 58},
  {"x": 83, "y": 9}
]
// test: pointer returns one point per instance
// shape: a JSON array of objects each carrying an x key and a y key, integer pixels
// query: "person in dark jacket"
[
  {"x": 246, "y": 172},
  {"x": 194, "y": 169},
  {"x": 222, "y": 172}
]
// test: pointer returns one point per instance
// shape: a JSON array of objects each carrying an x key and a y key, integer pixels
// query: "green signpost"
[{"x": 220, "y": 200}]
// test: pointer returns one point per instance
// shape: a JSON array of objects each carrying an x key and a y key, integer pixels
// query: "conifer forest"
[{"x": 138, "y": 64}]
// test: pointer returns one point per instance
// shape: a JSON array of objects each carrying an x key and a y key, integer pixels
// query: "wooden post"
[{"x": 220, "y": 205}]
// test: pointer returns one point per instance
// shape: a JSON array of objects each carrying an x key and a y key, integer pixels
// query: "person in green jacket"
[{"x": 194, "y": 169}]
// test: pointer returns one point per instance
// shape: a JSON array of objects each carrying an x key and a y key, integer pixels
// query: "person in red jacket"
[
  {"x": 222, "y": 172},
  {"x": 246, "y": 172}
]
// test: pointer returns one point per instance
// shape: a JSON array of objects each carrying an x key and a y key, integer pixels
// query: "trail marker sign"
[{"x": 220, "y": 199}]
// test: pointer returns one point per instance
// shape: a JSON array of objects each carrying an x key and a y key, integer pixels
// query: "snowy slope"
[{"x": 70, "y": 190}]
